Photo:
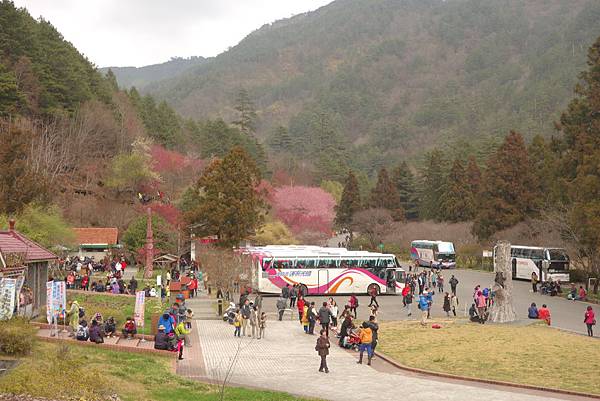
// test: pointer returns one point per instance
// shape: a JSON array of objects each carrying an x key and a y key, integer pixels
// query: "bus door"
[
  {"x": 323, "y": 279},
  {"x": 390, "y": 279}
]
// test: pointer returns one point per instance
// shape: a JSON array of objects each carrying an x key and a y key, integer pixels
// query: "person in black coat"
[{"x": 161, "y": 340}]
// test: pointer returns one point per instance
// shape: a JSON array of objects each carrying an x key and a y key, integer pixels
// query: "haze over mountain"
[
  {"x": 142, "y": 76},
  {"x": 394, "y": 77}
]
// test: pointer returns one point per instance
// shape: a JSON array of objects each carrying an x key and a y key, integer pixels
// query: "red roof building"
[{"x": 97, "y": 236}]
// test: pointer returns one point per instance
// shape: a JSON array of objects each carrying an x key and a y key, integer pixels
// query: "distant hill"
[
  {"x": 395, "y": 77},
  {"x": 142, "y": 76}
]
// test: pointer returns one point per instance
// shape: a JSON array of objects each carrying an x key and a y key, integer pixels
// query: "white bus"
[
  {"x": 547, "y": 263},
  {"x": 438, "y": 254},
  {"x": 319, "y": 270}
]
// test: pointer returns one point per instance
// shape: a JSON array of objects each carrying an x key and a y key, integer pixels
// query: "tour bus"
[
  {"x": 319, "y": 270},
  {"x": 438, "y": 254},
  {"x": 547, "y": 263}
]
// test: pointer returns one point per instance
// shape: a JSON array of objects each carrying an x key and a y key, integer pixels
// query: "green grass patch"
[
  {"x": 534, "y": 354},
  {"x": 79, "y": 372},
  {"x": 116, "y": 306}
]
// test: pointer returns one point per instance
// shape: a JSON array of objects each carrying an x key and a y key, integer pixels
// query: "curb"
[
  {"x": 83, "y": 292},
  {"x": 109, "y": 347},
  {"x": 484, "y": 381},
  {"x": 63, "y": 327}
]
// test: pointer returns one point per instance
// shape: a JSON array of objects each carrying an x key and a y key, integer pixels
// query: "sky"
[{"x": 142, "y": 32}]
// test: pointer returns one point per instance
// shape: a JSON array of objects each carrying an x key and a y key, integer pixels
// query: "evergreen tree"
[
  {"x": 20, "y": 185},
  {"x": 457, "y": 202},
  {"x": 508, "y": 193},
  {"x": 246, "y": 120},
  {"x": 280, "y": 140},
  {"x": 432, "y": 186},
  {"x": 112, "y": 80},
  {"x": 579, "y": 168},
  {"x": 473, "y": 175},
  {"x": 404, "y": 180},
  {"x": 543, "y": 165},
  {"x": 226, "y": 202},
  {"x": 385, "y": 196},
  {"x": 350, "y": 202}
]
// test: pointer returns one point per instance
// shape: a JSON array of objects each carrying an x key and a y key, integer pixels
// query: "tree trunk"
[{"x": 503, "y": 310}]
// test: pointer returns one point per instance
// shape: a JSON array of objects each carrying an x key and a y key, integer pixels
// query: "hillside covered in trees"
[
  {"x": 142, "y": 76},
  {"x": 372, "y": 80}
]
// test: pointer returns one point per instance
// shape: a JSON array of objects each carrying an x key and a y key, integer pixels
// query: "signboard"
[
  {"x": 138, "y": 314},
  {"x": 488, "y": 254},
  {"x": 8, "y": 287},
  {"x": 56, "y": 298},
  {"x": 158, "y": 281}
]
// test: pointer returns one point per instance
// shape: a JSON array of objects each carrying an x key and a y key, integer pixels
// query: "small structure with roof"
[
  {"x": 96, "y": 242},
  {"x": 22, "y": 257}
]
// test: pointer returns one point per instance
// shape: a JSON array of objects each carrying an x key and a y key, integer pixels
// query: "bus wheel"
[{"x": 370, "y": 288}]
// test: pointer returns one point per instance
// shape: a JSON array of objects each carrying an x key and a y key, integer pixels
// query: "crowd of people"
[{"x": 173, "y": 328}]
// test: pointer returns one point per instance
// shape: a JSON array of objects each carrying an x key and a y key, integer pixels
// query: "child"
[
  {"x": 454, "y": 303},
  {"x": 129, "y": 328},
  {"x": 110, "y": 327},
  {"x": 374, "y": 310},
  {"x": 305, "y": 319},
  {"x": 237, "y": 323},
  {"x": 262, "y": 323},
  {"x": 189, "y": 315}
]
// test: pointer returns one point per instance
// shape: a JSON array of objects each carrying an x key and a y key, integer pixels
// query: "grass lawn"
[
  {"x": 118, "y": 307},
  {"x": 90, "y": 374},
  {"x": 535, "y": 354}
]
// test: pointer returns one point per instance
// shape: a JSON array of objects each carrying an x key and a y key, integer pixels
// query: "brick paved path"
[{"x": 286, "y": 361}]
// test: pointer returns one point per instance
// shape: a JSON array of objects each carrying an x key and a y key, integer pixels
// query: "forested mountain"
[
  {"x": 369, "y": 81},
  {"x": 142, "y": 76}
]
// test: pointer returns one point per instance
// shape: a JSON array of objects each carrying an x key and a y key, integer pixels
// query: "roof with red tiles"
[
  {"x": 15, "y": 242},
  {"x": 97, "y": 235}
]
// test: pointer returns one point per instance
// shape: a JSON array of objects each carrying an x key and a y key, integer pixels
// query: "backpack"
[{"x": 81, "y": 312}]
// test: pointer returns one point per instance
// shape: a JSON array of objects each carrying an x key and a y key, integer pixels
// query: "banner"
[
  {"x": 138, "y": 315},
  {"x": 56, "y": 298},
  {"x": 8, "y": 288}
]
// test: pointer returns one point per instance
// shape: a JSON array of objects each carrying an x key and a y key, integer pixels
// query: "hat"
[
  {"x": 180, "y": 296},
  {"x": 161, "y": 327}
]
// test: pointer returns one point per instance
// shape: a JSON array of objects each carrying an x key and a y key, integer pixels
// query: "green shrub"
[
  {"x": 579, "y": 276},
  {"x": 17, "y": 337}
]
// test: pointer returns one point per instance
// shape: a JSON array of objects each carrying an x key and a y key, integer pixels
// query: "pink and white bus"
[{"x": 319, "y": 270}]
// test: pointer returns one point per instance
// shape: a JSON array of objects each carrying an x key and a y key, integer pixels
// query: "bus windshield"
[{"x": 558, "y": 255}]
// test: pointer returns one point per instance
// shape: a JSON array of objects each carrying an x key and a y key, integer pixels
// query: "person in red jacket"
[
  {"x": 590, "y": 321},
  {"x": 300, "y": 303},
  {"x": 193, "y": 287},
  {"x": 544, "y": 314}
]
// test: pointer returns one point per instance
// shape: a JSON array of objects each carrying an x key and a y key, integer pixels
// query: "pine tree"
[
  {"x": 579, "y": 169},
  {"x": 432, "y": 186},
  {"x": 508, "y": 193},
  {"x": 473, "y": 174},
  {"x": 350, "y": 202},
  {"x": 385, "y": 196},
  {"x": 543, "y": 165},
  {"x": 246, "y": 120},
  {"x": 20, "y": 185},
  {"x": 456, "y": 204},
  {"x": 227, "y": 203},
  {"x": 280, "y": 140},
  {"x": 404, "y": 181},
  {"x": 112, "y": 80}
]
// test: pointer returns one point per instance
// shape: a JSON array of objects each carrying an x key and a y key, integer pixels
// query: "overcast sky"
[{"x": 142, "y": 32}]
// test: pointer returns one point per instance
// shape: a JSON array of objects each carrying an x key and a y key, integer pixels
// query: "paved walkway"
[{"x": 286, "y": 361}]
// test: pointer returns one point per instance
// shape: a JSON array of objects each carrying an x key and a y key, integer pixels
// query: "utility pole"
[{"x": 149, "y": 245}]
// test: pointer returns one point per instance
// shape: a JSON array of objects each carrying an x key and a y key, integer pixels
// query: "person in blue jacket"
[
  {"x": 167, "y": 321},
  {"x": 425, "y": 301},
  {"x": 532, "y": 313}
]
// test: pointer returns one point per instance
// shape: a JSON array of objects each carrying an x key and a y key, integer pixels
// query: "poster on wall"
[
  {"x": 8, "y": 288},
  {"x": 138, "y": 315},
  {"x": 56, "y": 298}
]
